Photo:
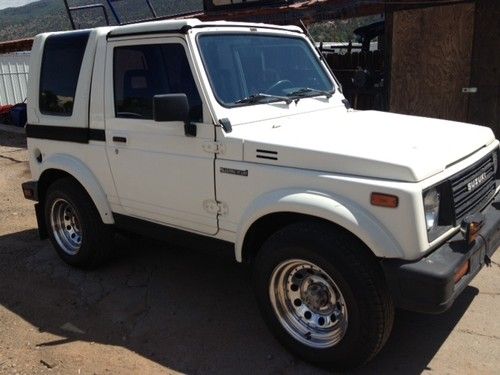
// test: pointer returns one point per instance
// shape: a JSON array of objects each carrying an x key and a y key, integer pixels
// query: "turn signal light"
[
  {"x": 462, "y": 271},
  {"x": 384, "y": 200}
]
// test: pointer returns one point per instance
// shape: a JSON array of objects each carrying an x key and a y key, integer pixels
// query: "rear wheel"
[
  {"x": 74, "y": 225},
  {"x": 323, "y": 295}
]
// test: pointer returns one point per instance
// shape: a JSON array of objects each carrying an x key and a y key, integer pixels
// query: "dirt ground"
[{"x": 160, "y": 309}]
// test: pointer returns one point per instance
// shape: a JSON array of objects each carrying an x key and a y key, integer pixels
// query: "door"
[{"x": 160, "y": 174}]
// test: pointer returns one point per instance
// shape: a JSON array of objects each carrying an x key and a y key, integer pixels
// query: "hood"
[{"x": 363, "y": 143}]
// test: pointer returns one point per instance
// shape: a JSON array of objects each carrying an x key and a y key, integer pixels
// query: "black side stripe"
[
  {"x": 65, "y": 133},
  {"x": 97, "y": 135}
]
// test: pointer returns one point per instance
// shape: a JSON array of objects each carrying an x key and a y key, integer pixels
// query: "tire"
[
  {"x": 344, "y": 314},
  {"x": 74, "y": 225}
]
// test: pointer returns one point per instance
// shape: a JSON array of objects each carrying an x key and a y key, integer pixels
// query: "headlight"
[{"x": 431, "y": 208}]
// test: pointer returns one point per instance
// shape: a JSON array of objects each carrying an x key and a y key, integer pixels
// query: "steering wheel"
[{"x": 279, "y": 84}]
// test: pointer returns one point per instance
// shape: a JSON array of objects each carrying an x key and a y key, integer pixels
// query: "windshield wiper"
[
  {"x": 307, "y": 92},
  {"x": 263, "y": 98}
]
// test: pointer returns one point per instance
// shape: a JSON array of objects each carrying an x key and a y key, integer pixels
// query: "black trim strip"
[
  {"x": 183, "y": 30},
  {"x": 173, "y": 235},
  {"x": 65, "y": 133}
]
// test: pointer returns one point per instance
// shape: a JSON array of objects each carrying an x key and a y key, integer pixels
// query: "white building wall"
[{"x": 14, "y": 68}]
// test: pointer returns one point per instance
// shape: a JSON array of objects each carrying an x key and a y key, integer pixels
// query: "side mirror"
[{"x": 173, "y": 107}]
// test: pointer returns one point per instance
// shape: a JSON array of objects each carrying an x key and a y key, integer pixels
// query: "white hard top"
[{"x": 173, "y": 25}]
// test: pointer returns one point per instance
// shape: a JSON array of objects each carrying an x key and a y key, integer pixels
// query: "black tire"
[
  {"x": 353, "y": 269},
  {"x": 96, "y": 238}
]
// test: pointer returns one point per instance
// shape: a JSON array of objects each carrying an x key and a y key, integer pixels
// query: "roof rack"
[{"x": 70, "y": 10}]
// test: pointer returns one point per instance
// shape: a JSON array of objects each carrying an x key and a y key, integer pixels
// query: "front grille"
[{"x": 469, "y": 194}]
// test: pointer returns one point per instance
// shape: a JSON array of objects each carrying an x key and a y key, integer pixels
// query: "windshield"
[{"x": 246, "y": 67}]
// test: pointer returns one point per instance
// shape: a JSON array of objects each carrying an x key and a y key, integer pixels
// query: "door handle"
[{"x": 120, "y": 139}]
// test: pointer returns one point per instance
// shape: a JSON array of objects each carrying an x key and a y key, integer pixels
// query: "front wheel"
[
  {"x": 322, "y": 295},
  {"x": 308, "y": 303}
]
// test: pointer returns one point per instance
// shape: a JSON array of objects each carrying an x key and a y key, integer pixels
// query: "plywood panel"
[
  {"x": 430, "y": 64},
  {"x": 484, "y": 106}
]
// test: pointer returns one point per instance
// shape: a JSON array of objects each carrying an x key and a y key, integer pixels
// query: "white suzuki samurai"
[{"x": 239, "y": 133}]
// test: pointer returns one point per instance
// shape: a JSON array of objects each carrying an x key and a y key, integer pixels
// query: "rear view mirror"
[{"x": 173, "y": 107}]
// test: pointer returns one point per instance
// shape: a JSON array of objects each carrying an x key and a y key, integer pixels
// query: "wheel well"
[
  {"x": 266, "y": 226},
  {"x": 48, "y": 177}
]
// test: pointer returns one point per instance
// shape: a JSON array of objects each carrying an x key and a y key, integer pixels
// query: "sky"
[{"x": 14, "y": 3}]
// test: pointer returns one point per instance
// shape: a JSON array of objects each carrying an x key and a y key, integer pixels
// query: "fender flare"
[
  {"x": 335, "y": 209},
  {"x": 77, "y": 169}
]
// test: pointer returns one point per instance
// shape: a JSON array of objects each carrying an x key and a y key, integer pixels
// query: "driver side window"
[{"x": 142, "y": 71}]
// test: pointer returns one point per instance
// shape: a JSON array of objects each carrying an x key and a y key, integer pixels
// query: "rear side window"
[
  {"x": 61, "y": 64},
  {"x": 143, "y": 71}
]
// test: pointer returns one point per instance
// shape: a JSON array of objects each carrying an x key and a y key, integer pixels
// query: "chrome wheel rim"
[
  {"x": 66, "y": 226},
  {"x": 308, "y": 303}
]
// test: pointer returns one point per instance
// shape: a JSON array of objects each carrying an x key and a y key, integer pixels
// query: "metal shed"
[{"x": 14, "y": 68}]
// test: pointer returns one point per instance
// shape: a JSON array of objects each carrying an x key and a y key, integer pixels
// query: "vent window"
[{"x": 61, "y": 64}]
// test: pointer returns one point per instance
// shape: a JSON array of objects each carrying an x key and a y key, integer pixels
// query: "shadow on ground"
[{"x": 191, "y": 310}]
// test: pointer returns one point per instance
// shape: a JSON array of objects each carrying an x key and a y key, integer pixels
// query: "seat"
[{"x": 137, "y": 93}]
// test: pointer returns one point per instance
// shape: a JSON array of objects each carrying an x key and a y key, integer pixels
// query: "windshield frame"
[{"x": 266, "y": 33}]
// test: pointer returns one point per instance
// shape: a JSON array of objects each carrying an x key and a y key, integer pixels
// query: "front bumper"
[{"x": 428, "y": 285}]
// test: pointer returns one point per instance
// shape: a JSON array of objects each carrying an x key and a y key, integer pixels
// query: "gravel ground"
[{"x": 160, "y": 309}]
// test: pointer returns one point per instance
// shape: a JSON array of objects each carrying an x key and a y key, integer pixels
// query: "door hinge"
[
  {"x": 215, "y": 207},
  {"x": 213, "y": 147}
]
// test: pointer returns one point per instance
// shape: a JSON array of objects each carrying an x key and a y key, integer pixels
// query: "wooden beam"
[
  {"x": 308, "y": 11},
  {"x": 16, "y": 46}
]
